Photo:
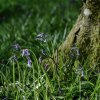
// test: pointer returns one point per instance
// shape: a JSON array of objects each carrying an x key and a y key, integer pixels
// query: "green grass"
[{"x": 20, "y": 22}]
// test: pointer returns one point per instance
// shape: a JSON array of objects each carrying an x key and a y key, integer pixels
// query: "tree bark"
[{"x": 85, "y": 35}]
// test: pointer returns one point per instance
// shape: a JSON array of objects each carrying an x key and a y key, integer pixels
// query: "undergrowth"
[{"x": 31, "y": 31}]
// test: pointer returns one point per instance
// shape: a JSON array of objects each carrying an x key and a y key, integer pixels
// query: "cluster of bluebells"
[
  {"x": 43, "y": 54},
  {"x": 26, "y": 53},
  {"x": 23, "y": 52},
  {"x": 42, "y": 37},
  {"x": 75, "y": 53}
]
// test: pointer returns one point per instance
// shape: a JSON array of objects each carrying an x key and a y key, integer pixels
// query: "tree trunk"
[{"x": 85, "y": 35}]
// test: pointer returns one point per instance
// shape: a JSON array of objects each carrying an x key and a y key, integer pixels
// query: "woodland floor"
[{"x": 30, "y": 31}]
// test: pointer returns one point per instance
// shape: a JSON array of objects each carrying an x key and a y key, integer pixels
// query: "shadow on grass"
[{"x": 10, "y": 12}]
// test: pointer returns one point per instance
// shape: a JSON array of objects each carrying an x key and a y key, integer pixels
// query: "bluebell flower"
[
  {"x": 4, "y": 98},
  {"x": 29, "y": 63},
  {"x": 78, "y": 53},
  {"x": 43, "y": 52},
  {"x": 74, "y": 48},
  {"x": 25, "y": 52},
  {"x": 74, "y": 51},
  {"x": 82, "y": 73},
  {"x": 40, "y": 59},
  {"x": 46, "y": 67},
  {"x": 41, "y": 37},
  {"x": 71, "y": 55},
  {"x": 16, "y": 46},
  {"x": 60, "y": 90},
  {"x": 14, "y": 58}
]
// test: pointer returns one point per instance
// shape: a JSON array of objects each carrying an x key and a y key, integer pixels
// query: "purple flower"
[
  {"x": 16, "y": 46},
  {"x": 78, "y": 53},
  {"x": 29, "y": 63},
  {"x": 4, "y": 98},
  {"x": 71, "y": 55},
  {"x": 41, "y": 37},
  {"x": 40, "y": 59},
  {"x": 43, "y": 52},
  {"x": 74, "y": 48},
  {"x": 46, "y": 66},
  {"x": 74, "y": 51},
  {"x": 25, "y": 52},
  {"x": 14, "y": 58},
  {"x": 82, "y": 73}
]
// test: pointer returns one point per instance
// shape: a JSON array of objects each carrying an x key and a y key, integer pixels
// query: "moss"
[
  {"x": 94, "y": 6},
  {"x": 85, "y": 34}
]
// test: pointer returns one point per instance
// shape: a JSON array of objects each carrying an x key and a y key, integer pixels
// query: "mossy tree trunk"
[{"x": 85, "y": 34}]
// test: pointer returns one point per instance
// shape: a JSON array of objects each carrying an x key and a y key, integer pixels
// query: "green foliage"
[{"x": 20, "y": 22}]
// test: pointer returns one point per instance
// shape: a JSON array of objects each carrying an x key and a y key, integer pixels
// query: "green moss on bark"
[{"x": 85, "y": 34}]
